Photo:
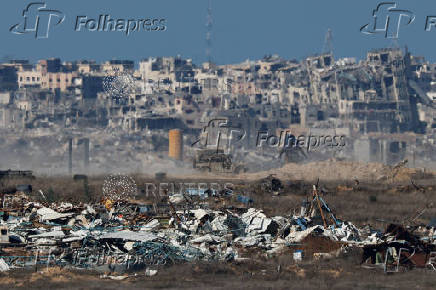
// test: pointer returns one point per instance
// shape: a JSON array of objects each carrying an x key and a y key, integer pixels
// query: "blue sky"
[{"x": 243, "y": 29}]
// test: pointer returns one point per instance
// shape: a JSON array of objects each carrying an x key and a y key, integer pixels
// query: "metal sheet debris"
[{"x": 121, "y": 237}]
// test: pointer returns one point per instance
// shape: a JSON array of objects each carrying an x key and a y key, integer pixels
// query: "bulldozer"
[{"x": 213, "y": 160}]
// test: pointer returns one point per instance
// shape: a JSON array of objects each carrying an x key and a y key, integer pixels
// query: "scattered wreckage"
[
  {"x": 210, "y": 160},
  {"x": 398, "y": 249},
  {"x": 118, "y": 235}
]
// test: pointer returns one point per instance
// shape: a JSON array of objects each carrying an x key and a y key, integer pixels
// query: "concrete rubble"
[{"x": 92, "y": 236}]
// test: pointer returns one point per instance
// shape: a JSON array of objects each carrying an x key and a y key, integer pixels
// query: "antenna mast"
[{"x": 209, "y": 26}]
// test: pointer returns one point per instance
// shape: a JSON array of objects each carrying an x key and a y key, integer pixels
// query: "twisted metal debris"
[{"x": 123, "y": 238}]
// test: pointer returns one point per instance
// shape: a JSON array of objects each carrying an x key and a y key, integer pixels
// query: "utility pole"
[
  {"x": 209, "y": 26},
  {"x": 328, "y": 42},
  {"x": 70, "y": 155}
]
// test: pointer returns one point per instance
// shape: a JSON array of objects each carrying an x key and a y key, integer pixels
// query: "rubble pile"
[
  {"x": 120, "y": 236},
  {"x": 398, "y": 247}
]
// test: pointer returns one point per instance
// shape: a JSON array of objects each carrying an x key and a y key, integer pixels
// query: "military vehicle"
[{"x": 212, "y": 160}]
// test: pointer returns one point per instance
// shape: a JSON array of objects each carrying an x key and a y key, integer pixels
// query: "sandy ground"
[
  {"x": 325, "y": 170},
  {"x": 376, "y": 203},
  {"x": 272, "y": 274}
]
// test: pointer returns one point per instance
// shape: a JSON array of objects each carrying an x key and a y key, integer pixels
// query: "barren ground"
[{"x": 374, "y": 202}]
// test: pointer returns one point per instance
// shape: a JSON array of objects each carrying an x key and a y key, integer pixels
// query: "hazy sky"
[{"x": 242, "y": 29}]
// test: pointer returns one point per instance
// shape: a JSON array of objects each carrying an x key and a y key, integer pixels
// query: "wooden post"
[{"x": 315, "y": 193}]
